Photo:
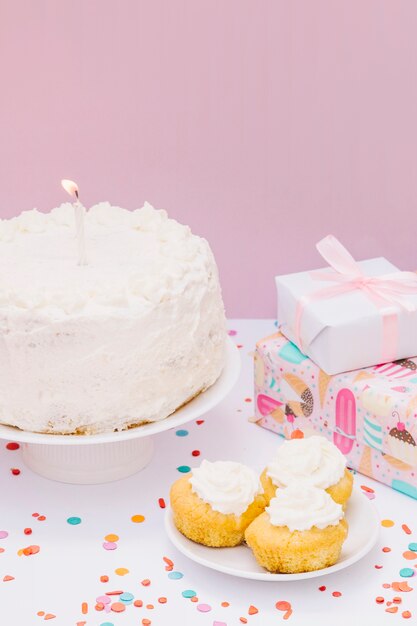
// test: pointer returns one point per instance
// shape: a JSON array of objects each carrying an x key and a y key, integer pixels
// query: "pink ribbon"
[{"x": 385, "y": 291}]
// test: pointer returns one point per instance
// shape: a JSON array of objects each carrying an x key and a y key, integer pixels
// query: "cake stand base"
[{"x": 88, "y": 465}]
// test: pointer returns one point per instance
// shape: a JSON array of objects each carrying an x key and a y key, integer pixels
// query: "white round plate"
[
  {"x": 200, "y": 405},
  {"x": 363, "y": 523}
]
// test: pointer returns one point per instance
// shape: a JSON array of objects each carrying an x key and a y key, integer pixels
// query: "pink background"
[{"x": 264, "y": 125}]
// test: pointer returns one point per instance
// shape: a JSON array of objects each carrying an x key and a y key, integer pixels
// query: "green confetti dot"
[
  {"x": 74, "y": 521},
  {"x": 406, "y": 572},
  {"x": 189, "y": 593},
  {"x": 184, "y": 469}
]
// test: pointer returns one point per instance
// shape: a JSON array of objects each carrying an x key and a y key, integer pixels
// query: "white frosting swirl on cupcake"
[
  {"x": 228, "y": 487},
  {"x": 301, "y": 506},
  {"x": 313, "y": 460}
]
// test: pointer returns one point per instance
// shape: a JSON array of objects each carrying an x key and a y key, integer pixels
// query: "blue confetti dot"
[
  {"x": 184, "y": 469},
  {"x": 175, "y": 575},
  {"x": 189, "y": 593},
  {"x": 413, "y": 547},
  {"x": 74, "y": 521},
  {"x": 126, "y": 597},
  {"x": 181, "y": 433},
  {"x": 406, "y": 572},
  {"x": 107, "y": 624}
]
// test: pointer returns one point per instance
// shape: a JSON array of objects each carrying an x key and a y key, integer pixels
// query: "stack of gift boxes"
[{"x": 340, "y": 364}]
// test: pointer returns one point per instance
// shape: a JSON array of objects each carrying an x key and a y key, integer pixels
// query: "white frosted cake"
[{"x": 121, "y": 341}]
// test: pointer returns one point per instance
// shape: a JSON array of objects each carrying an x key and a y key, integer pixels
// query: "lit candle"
[{"x": 79, "y": 214}]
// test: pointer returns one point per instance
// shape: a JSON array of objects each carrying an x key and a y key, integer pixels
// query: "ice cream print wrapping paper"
[{"x": 370, "y": 414}]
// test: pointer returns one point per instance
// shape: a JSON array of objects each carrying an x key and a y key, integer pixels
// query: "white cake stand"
[{"x": 91, "y": 459}]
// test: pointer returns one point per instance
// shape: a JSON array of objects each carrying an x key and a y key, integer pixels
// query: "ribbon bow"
[{"x": 385, "y": 291}]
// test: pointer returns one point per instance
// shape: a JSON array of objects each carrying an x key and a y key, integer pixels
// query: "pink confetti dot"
[
  {"x": 204, "y": 608},
  {"x": 3, "y": 534},
  {"x": 103, "y": 600},
  {"x": 232, "y": 333},
  {"x": 109, "y": 545}
]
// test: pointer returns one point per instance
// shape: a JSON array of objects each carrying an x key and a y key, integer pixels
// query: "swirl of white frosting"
[
  {"x": 228, "y": 487},
  {"x": 312, "y": 460},
  {"x": 301, "y": 506}
]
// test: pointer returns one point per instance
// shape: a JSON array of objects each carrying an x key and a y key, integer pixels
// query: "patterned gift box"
[{"x": 369, "y": 414}]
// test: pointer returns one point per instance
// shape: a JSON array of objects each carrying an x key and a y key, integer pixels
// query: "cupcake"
[
  {"x": 302, "y": 530},
  {"x": 313, "y": 461},
  {"x": 216, "y": 503},
  {"x": 402, "y": 445}
]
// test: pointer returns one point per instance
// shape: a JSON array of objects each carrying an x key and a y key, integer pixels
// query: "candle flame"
[{"x": 70, "y": 187}]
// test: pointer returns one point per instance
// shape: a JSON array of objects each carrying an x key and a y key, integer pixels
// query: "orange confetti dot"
[
  {"x": 146, "y": 582},
  {"x": 406, "y": 614},
  {"x": 168, "y": 561},
  {"x": 118, "y": 607},
  {"x": 387, "y": 523},
  {"x": 404, "y": 586},
  {"x": 111, "y": 538},
  {"x": 379, "y": 599},
  {"x": 84, "y": 608},
  {"x": 243, "y": 620},
  {"x": 391, "y": 609},
  {"x": 252, "y": 610},
  {"x": 397, "y": 600},
  {"x": 336, "y": 594},
  {"x": 150, "y": 606},
  {"x": 138, "y": 519},
  {"x": 49, "y": 616},
  {"x": 40, "y": 613},
  {"x": 99, "y": 606},
  {"x": 386, "y": 549},
  {"x": 410, "y": 555},
  {"x": 104, "y": 579},
  {"x": 387, "y": 585},
  {"x": 7, "y": 578},
  {"x": 162, "y": 600},
  {"x": 225, "y": 604},
  {"x": 282, "y": 605},
  {"x": 297, "y": 434},
  {"x": 146, "y": 621},
  {"x": 138, "y": 603},
  {"x": 1, "y": 550},
  {"x": 42, "y": 518},
  {"x": 121, "y": 571},
  {"x": 194, "y": 599},
  {"x": 30, "y": 550},
  {"x": 406, "y": 529}
]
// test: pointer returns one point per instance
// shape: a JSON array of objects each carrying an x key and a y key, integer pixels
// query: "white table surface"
[{"x": 66, "y": 571}]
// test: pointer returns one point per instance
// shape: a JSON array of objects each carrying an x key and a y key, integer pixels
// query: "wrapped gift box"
[
  {"x": 369, "y": 414},
  {"x": 352, "y": 315}
]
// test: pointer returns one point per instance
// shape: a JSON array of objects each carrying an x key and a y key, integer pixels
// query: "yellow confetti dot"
[
  {"x": 112, "y": 538},
  {"x": 121, "y": 571},
  {"x": 387, "y": 523},
  {"x": 137, "y": 519}
]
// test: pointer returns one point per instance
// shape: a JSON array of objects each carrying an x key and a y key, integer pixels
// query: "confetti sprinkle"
[
  {"x": 104, "y": 579},
  {"x": 188, "y": 593},
  {"x": 7, "y": 578},
  {"x": 203, "y": 608},
  {"x": 196, "y": 453},
  {"x": 219, "y": 624},
  {"x": 118, "y": 607},
  {"x": 386, "y": 549},
  {"x": 137, "y": 519},
  {"x": 406, "y": 529},
  {"x": 109, "y": 545},
  {"x": 49, "y": 616},
  {"x": 30, "y": 550},
  {"x": 406, "y": 614},
  {"x": 161, "y": 503},
  {"x": 107, "y": 624},
  {"x": 42, "y": 518},
  {"x": 282, "y": 605},
  {"x": 232, "y": 333},
  {"x": 410, "y": 555},
  {"x": 367, "y": 489},
  {"x": 387, "y": 523},
  {"x": 181, "y": 433},
  {"x": 412, "y": 546},
  {"x": 184, "y": 469},
  {"x": 322, "y": 588},
  {"x": 3, "y": 534},
  {"x": 379, "y": 599},
  {"x": 146, "y": 622},
  {"x": 252, "y": 610},
  {"x": 27, "y": 531},
  {"x": 336, "y": 594},
  {"x": 15, "y": 471},
  {"x": 175, "y": 575},
  {"x": 162, "y": 600},
  {"x": 111, "y": 538},
  {"x": 406, "y": 572},
  {"x": 84, "y": 608},
  {"x": 243, "y": 620},
  {"x": 74, "y": 521},
  {"x": 103, "y": 600},
  {"x": 199, "y": 422},
  {"x": 121, "y": 571},
  {"x": 138, "y": 603},
  {"x": 225, "y": 604},
  {"x": 392, "y": 609},
  {"x": 146, "y": 582},
  {"x": 12, "y": 445},
  {"x": 126, "y": 597}
]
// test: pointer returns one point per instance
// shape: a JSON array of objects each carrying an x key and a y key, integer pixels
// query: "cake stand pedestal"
[{"x": 92, "y": 459}]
